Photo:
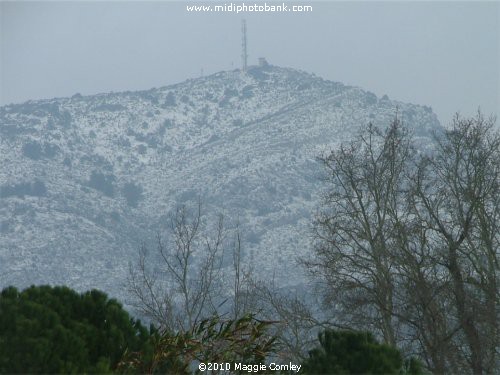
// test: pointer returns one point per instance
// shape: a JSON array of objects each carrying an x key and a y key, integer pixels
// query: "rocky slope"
[{"x": 84, "y": 180}]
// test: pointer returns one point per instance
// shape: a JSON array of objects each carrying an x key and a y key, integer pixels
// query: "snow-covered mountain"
[{"x": 84, "y": 180}]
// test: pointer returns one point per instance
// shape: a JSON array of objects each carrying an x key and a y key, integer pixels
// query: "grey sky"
[{"x": 442, "y": 54}]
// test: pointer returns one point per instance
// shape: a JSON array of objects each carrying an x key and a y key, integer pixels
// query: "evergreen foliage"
[
  {"x": 46, "y": 329},
  {"x": 215, "y": 340},
  {"x": 345, "y": 352}
]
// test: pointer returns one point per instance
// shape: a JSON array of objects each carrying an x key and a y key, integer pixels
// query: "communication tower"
[{"x": 244, "y": 55}]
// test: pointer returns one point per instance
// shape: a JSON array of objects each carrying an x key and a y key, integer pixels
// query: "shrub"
[
  {"x": 345, "y": 352},
  {"x": 46, "y": 329},
  {"x": 132, "y": 193},
  {"x": 103, "y": 183}
]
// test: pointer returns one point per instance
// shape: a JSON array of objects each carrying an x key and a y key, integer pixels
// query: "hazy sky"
[{"x": 442, "y": 54}]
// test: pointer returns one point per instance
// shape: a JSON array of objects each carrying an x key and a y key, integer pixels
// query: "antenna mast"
[{"x": 244, "y": 55}]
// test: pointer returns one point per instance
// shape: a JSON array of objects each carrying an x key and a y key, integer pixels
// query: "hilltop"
[{"x": 86, "y": 179}]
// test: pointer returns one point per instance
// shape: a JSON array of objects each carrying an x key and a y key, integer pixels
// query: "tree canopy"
[
  {"x": 407, "y": 243},
  {"x": 46, "y": 329},
  {"x": 345, "y": 352}
]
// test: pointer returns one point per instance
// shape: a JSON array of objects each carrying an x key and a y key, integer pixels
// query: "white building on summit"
[{"x": 263, "y": 62}]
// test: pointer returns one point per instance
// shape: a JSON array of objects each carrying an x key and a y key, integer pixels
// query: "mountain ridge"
[{"x": 87, "y": 179}]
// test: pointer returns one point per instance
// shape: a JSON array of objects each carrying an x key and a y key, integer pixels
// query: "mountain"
[{"x": 85, "y": 180}]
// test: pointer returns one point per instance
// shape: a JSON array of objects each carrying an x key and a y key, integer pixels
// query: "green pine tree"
[
  {"x": 345, "y": 352},
  {"x": 47, "y": 329}
]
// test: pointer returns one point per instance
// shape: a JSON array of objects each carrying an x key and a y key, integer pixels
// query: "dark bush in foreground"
[
  {"x": 56, "y": 330},
  {"x": 356, "y": 353},
  {"x": 215, "y": 340}
]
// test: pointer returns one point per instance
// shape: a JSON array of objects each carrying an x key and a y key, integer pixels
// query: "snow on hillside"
[{"x": 86, "y": 179}]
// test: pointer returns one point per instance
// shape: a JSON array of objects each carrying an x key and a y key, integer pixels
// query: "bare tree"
[
  {"x": 296, "y": 325},
  {"x": 183, "y": 288},
  {"x": 456, "y": 195},
  {"x": 407, "y": 246},
  {"x": 243, "y": 291},
  {"x": 185, "y": 280},
  {"x": 421, "y": 289},
  {"x": 354, "y": 237}
]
